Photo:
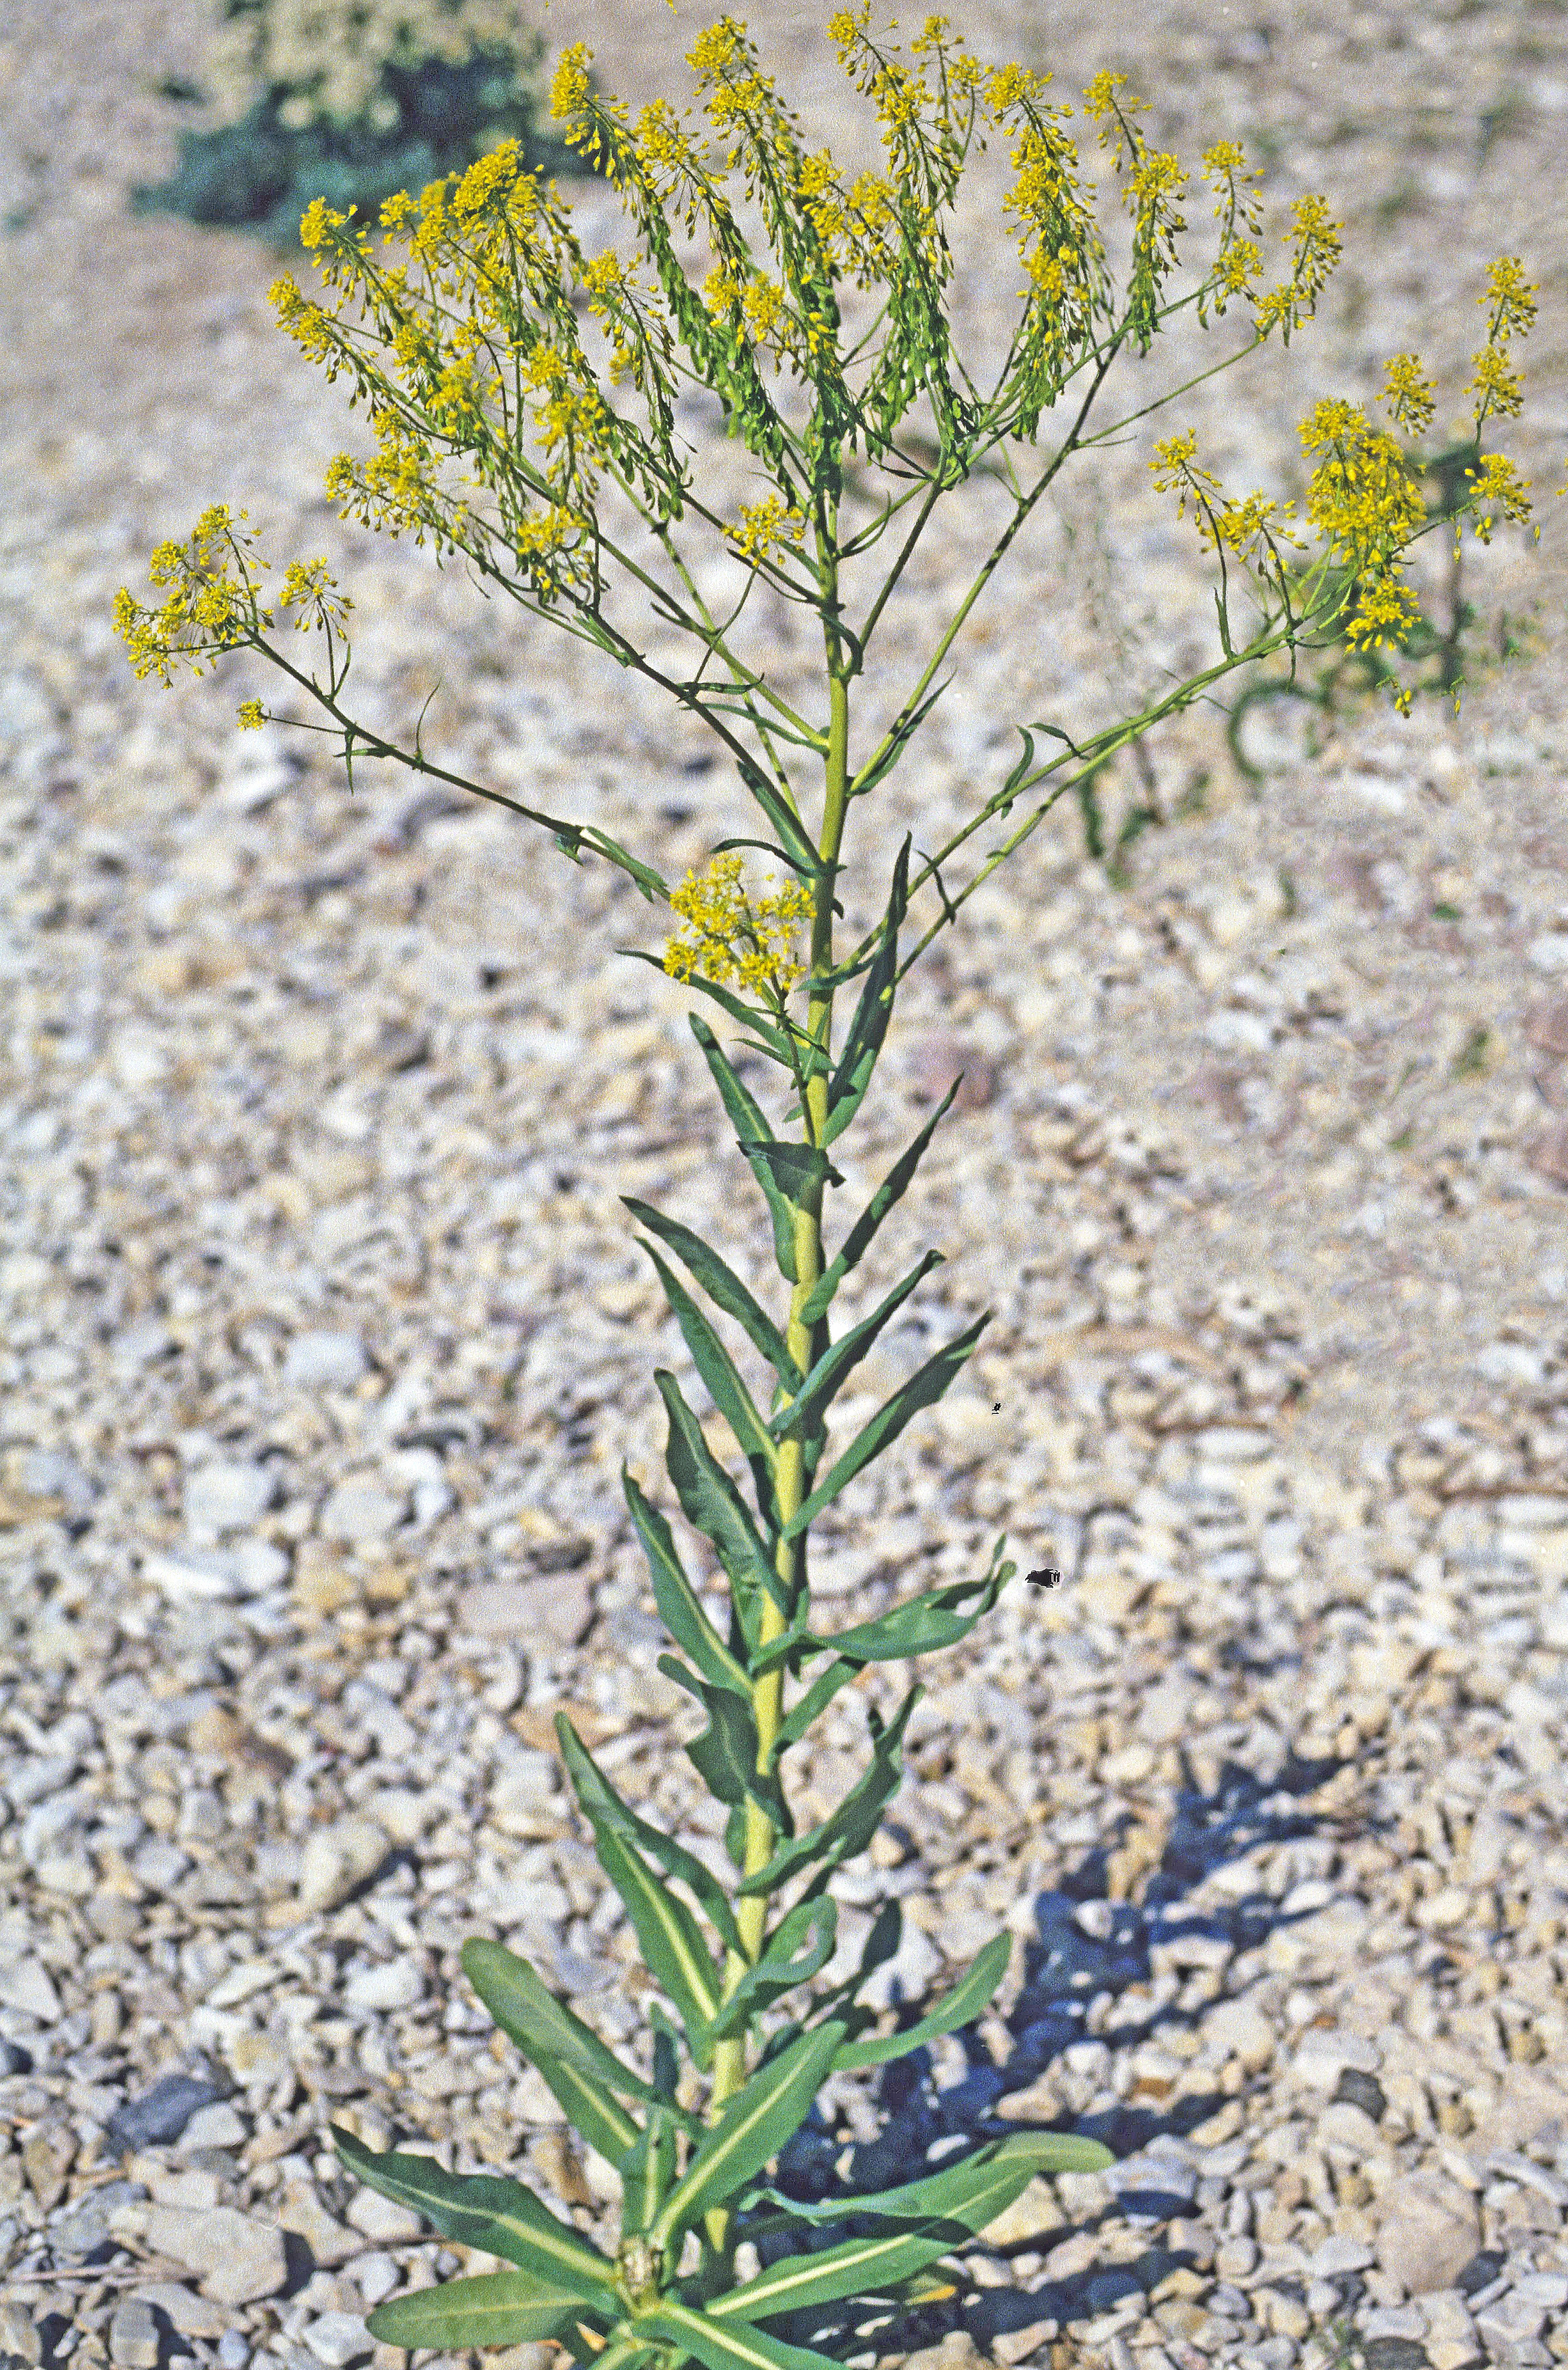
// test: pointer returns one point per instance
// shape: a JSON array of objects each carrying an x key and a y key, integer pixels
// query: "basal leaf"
[
  {"x": 725, "y": 2346},
  {"x": 966, "y": 2192},
  {"x": 488, "y": 2211},
  {"x": 498, "y": 2308}
]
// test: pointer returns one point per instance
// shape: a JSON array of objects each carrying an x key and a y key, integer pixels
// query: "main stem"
[{"x": 807, "y": 1342}]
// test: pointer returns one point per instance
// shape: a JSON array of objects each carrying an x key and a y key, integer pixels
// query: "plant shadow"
[{"x": 1086, "y": 1945}]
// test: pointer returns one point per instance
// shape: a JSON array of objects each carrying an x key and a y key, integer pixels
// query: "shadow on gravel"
[{"x": 1086, "y": 1945}]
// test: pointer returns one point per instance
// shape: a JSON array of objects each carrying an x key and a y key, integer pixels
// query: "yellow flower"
[
  {"x": 734, "y": 937},
  {"x": 764, "y": 523},
  {"x": 1498, "y": 481},
  {"x": 1498, "y": 386},
  {"x": 1407, "y": 394},
  {"x": 252, "y": 716}
]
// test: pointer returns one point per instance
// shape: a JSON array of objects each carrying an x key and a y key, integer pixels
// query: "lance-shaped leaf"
[
  {"x": 818, "y": 1696},
  {"x": 729, "y": 1392},
  {"x": 854, "y": 1822},
  {"x": 927, "y": 1623},
  {"x": 867, "y": 1030},
  {"x": 682, "y": 1614},
  {"x": 499, "y": 2309},
  {"x": 725, "y": 1755},
  {"x": 751, "y": 1128},
  {"x": 880, "y": 1944},
  {"x": 724, "y": 2345},
  {"x": 922, "y": 1391},
  {"x": 602, "y": 1806},
  {"x": 723, "y": 1287},
  {"x": 817, "y": 1392},
  {"x": 583, "y": 2074},
  {"x": 860, "y": 1234},
  {"x": 488, "y": 2211},
  {"x": 800, "y": 1943},
  {"x": 756, "y": 2124},
  {"x": 671, "y": 1941},
  {"x": 647, "y": 2172},
  {"x": 794, "y": 1167},
  {"x": 791, "y": 830},
  {"x": 1023, "y": 2154},
  {"x": 879, "y": 767},
  {"x": 774, "y": 1043},
  {"x": 713, "y": 1504},
  {"x": 961, "y": 2005}
]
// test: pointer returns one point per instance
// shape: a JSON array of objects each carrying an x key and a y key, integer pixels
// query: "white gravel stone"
[
  {"x": 318, "y": 1360},
  {"x": 335, "y": 1860},
  {"x": 225, "y": 1497}
]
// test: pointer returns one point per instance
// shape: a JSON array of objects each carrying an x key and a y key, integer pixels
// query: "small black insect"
[{"x": 1044, "y": 1578}]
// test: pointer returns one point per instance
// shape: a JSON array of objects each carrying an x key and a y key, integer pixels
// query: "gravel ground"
[{"x": 326, "y": 1332}]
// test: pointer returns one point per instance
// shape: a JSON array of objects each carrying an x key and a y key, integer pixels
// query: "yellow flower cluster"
[
  {"x": 764, "y": 523},
  {"x": 1318, "y": 251},
  {"x": 209, "y": 611},
  {"x": 734, "y": 937},
  {"x": 1512, "y": 300}
]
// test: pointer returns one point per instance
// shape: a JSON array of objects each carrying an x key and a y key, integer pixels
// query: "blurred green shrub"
[{"x": 353, "y": 100}]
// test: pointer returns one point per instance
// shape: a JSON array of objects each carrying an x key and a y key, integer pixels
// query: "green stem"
[{"x": 807, "y": 1342}]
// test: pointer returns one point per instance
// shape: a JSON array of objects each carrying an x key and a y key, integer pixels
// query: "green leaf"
[
  {"x": 961, "y": 2005},
  {"x": 854, "y": 1822},
  {"x": 756, "y": 2124},
  {"x": 671, "y": 1943},
  {"x": 725, "y": 1755},
  {"x": 791, "y": 830},
  {"x": 647, "y": 2173},
  {"x": 488, "y": 2211},
  {"x": 881, "y": 765},
  {"x": 751, "y": 1126},
  {"x": 923, "y": 1625},
  {"x": 869, "y": 1027},
  {"x": 860, "y": 1234},
  {"x": 681, "y": 1612},
  {"x": 816, "y": 1393},
  {"x": 775, "y": 1041},
  {"x": 959, "y": 2192},
  {"x": 818, "y": 1696},
  {"x": 729, "y": 1392},
  {"x": 795, "y": 1169},
  {"x": 669, "y": 1935},
  {"x": 922, "y": 1391},
  {"x": 720, "y": 2347},
  {"x": 713, "y": 1504},
  {"x": 811, "y": 1930},
  {"x": 498, "y": 2308},
  {"x": 583, "y": 2074},
  {"x": 800, "y": 2282},
  {"x": 722, "y": 1286}
]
